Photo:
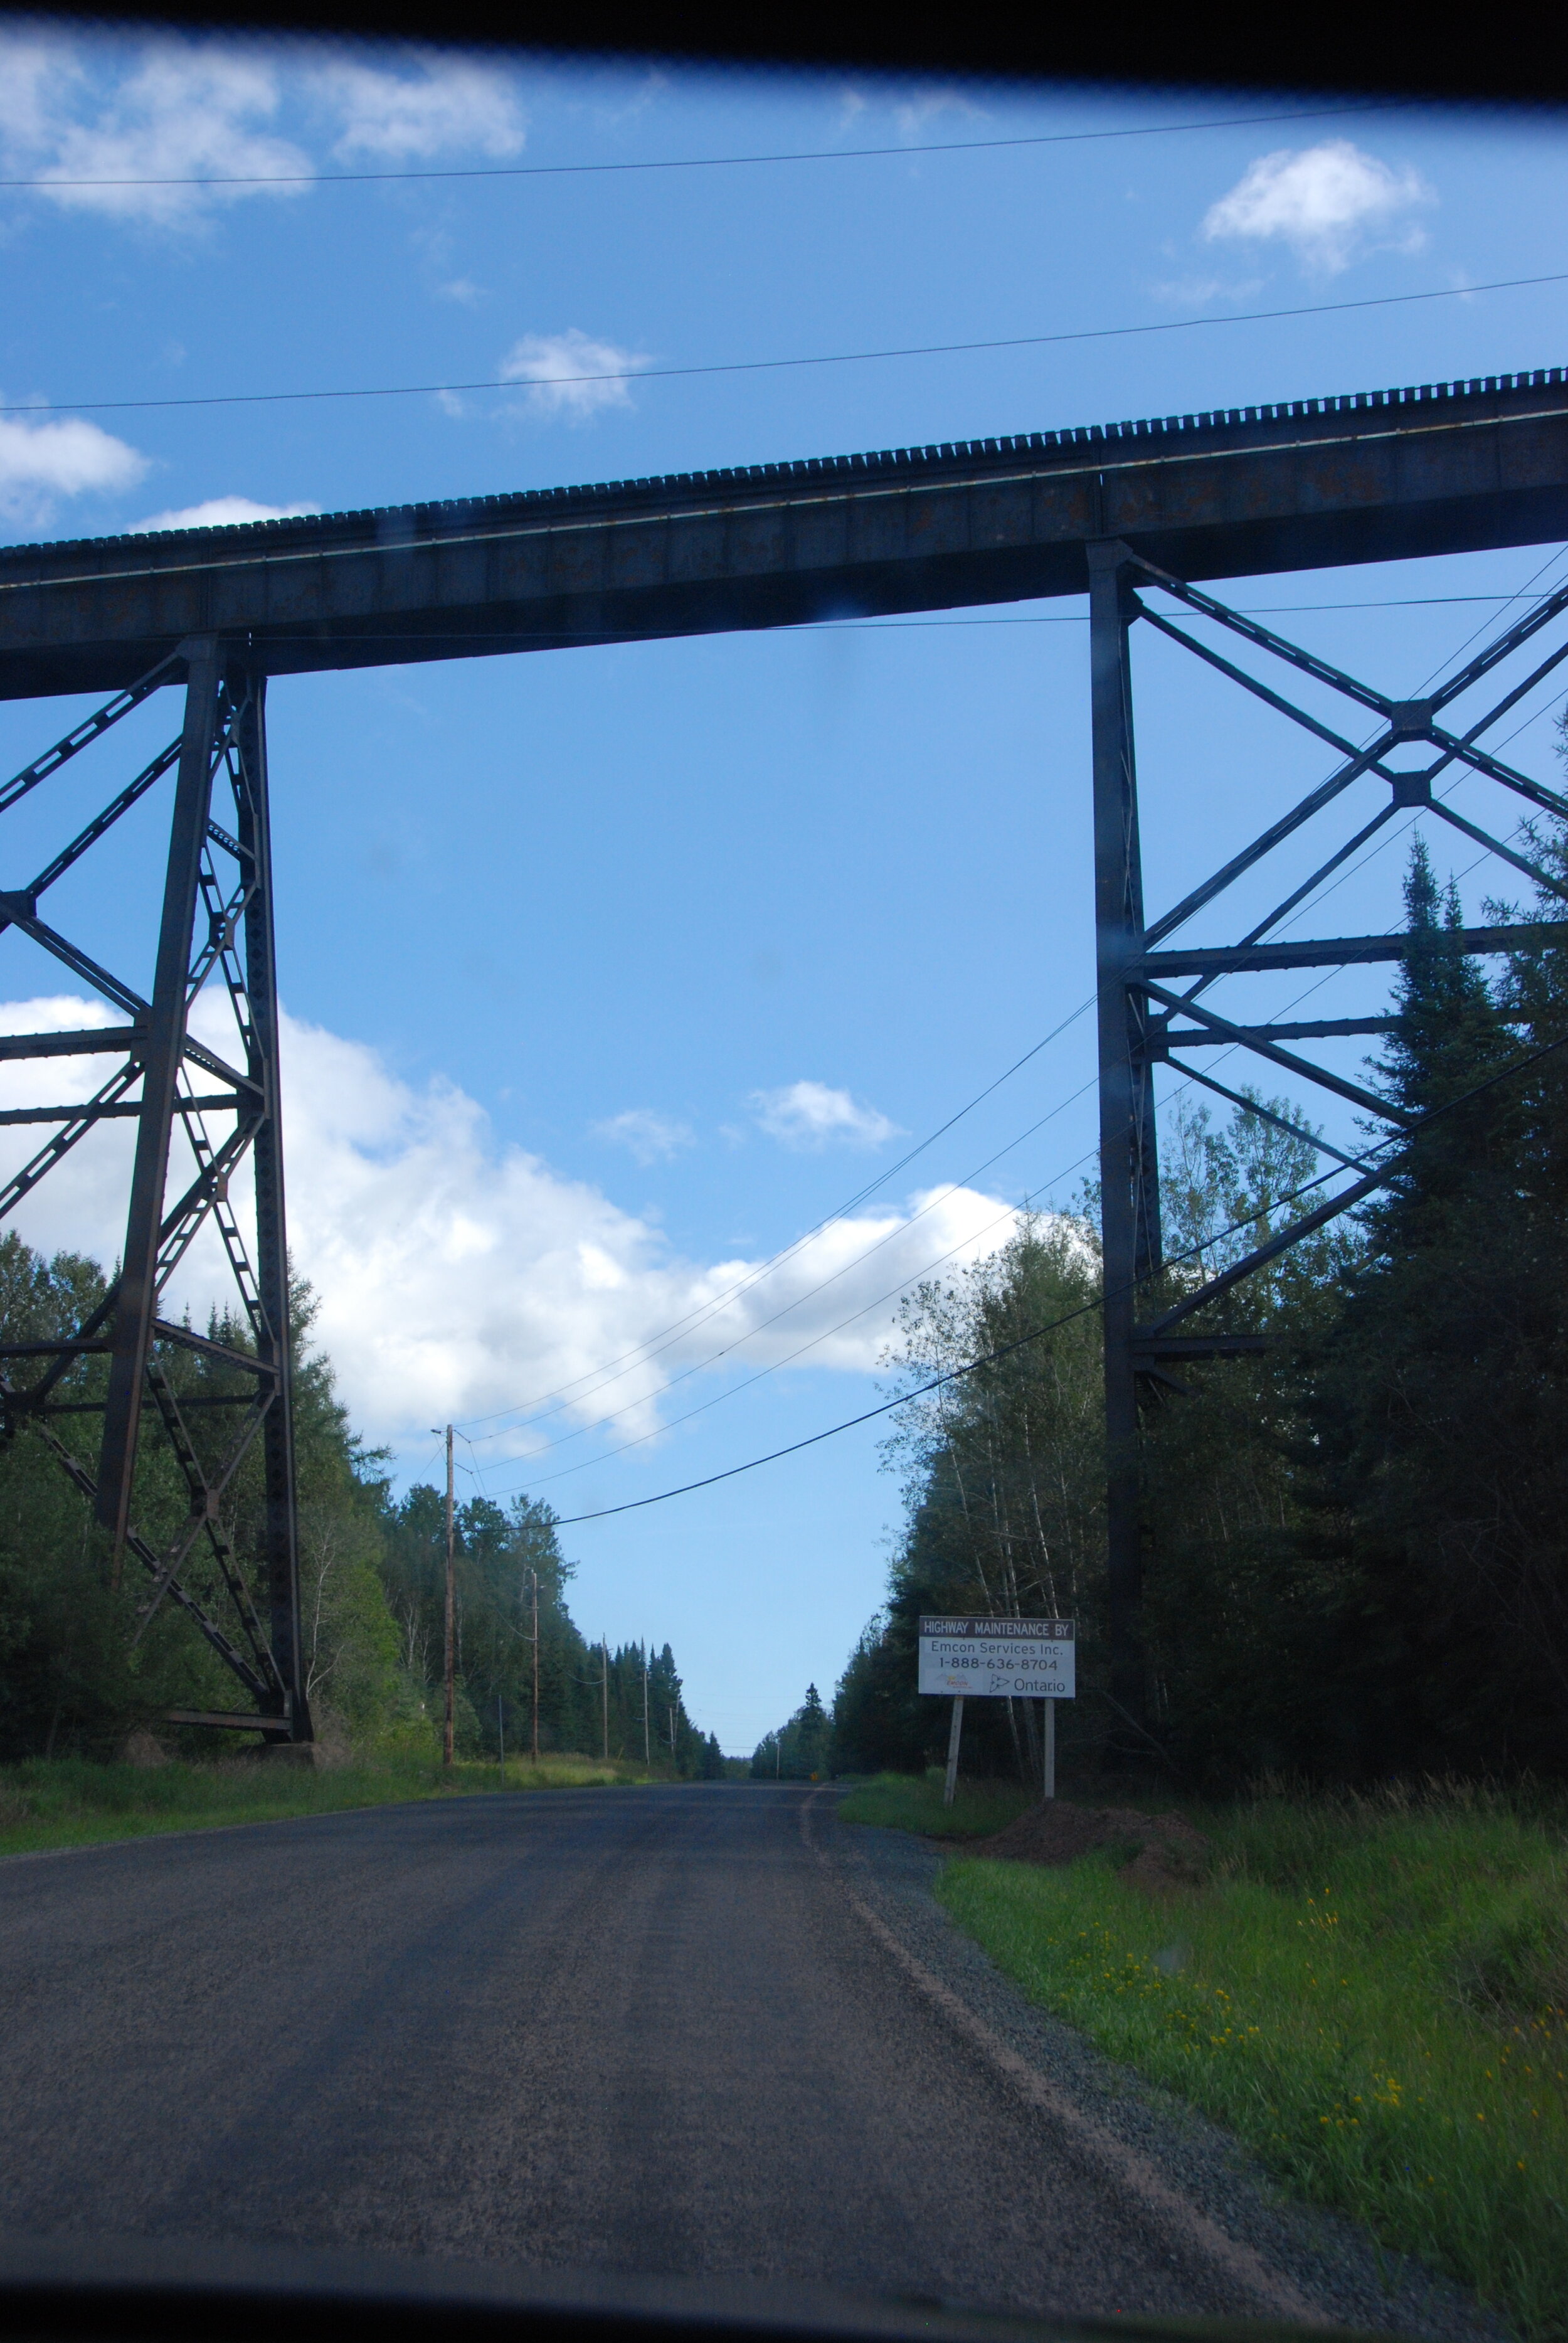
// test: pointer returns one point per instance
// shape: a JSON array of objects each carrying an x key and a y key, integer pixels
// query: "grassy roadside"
[
  {"x": 913, "y": 1801},
  {"x": 71, "y": 1801},
  {"x": 1370, "y": 1993}
]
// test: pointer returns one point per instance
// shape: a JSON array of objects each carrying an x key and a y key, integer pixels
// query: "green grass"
[
  {"x": 913, "y": 1801},
  {"x": 72, "y": 1801},
  {"x": 1370, "y": 1993}
]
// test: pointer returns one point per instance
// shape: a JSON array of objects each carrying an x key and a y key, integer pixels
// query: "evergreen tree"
[
  {"x": 78, "y": 1669},
  {"x": 1440, "y": 1406},
  {"x": 79, "y": 1665},
  {"x": 798, "y": 1751},
  {"x": 1234, "y": 1610}
]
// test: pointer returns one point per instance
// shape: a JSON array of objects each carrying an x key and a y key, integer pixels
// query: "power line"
[
  {"x": 581, "y": 635},
  {"x": 694, "y": 1317},
  {"x": 774, "y": 1365},
  {"x": 767, "y": 1269},
  {"x": 774, "y": 366},
  {"x": 1247, "y": 610},
  {"x": 534, "y": 1482},
  {"x": 1037, "y": 1333},
  {"x": 47, "y": 181},
  {"x": 770, "y": 1269},
  {"x": 828, "y": 1332},
  {"x": 762, "y": 1373},
  {"x": 698, "y": 1366}
]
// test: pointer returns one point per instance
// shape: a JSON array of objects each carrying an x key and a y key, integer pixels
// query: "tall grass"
[
  {"x": 913, "y": 1801},
  {"x": 1371, "y": 1992},
  {"x": 73, "y": 1802}
]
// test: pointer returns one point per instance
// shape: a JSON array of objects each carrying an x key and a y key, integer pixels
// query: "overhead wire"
[
  {"x": 555, "y": 382},
  {"x": 44, "y": 182},
  {"x": 771, "y": 1267},
  {"x": 828, "y": 1333},
  {"x": 538, "y": 1481},
  {"x": 625, "y": 1360},
  {"x": 1007, "y": 1350},
  {"x": 645, "y": 1350},
  {"x": 856, "y": 1262},
  {"x": 583, "y": 638}
]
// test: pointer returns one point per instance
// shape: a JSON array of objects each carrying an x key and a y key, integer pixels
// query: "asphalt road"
[{"x": 644, "y": 2030}]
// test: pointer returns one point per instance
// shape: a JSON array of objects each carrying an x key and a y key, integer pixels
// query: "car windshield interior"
[{"x": 783, "y": 1170}]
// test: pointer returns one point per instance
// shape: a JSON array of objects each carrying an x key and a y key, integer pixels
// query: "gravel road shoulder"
[{"x": 1333, "y": 2261}]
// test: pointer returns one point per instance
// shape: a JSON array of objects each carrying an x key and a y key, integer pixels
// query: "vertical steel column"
[
  {"x": 274, "y": 1343},
  {"x": 135, "y": 1297},
  {"x": 1129, "y": 1199}
]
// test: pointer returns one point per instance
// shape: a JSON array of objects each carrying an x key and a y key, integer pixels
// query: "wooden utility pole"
[
  {"x": 451, "y": 1657},
  {"x": 604, "y": 1689},
  {"x": 536, "y": 1667},
  {"x": 647, "y": 1744}
]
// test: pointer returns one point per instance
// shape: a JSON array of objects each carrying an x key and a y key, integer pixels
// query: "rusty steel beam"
[{"x": 1375, "y": 476}]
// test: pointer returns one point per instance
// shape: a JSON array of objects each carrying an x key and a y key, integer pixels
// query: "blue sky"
[{"x": 614, "y": 975}]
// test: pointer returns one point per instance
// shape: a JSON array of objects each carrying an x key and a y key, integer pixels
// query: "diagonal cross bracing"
[
  {"x": 1124, "y": 511},
  {"x": 217, "y": 923},
  {"x": 1140, "y": 962}
]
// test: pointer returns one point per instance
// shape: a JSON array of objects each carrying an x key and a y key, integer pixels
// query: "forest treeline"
[
  {"x": 1354, "y": 1538},
  {"x": 75, "y": 1675},
  {"x": 800, "y": 1750},
  {"x": 1355, "y": 1543}
]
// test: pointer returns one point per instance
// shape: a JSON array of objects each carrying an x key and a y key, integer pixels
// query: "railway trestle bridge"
[{"x": 1141, "y": 517}]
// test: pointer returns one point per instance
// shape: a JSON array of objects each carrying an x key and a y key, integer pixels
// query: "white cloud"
[
  {"x": 68, "y": 457},
  {"x": 917, "y": 114},
  {"x": 135, "y": 113},
  {"x": 456, "y": 1277},
  {"x": 190, "y": 109},
  {"x": 651, "y": 1138},
  {"x": 218, "y": 512},
  {"x": 570, "y": 374},
  {"x": 1328, "y": 203},
  {"x": 810, "y": 1115},
  {"x": 34, "y": 72},
  {"x": 439, "y": 105}
]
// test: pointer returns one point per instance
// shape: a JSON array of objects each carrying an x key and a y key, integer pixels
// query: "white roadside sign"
[{"x": 998, "y": 1659}]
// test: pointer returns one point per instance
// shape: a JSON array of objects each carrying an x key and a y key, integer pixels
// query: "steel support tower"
[
  {"x": 1150, "y": 992},
  {"x": 216, "y": 923},
  {"x": 1135, "y": 514}
]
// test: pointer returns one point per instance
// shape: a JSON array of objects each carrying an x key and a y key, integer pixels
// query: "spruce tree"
[{"x": 1438, "y": 1401}]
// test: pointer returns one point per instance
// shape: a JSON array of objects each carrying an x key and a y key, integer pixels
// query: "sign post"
[
  {"x": 954, "y": 1732},
  {"x": 999, "y": 1659}
]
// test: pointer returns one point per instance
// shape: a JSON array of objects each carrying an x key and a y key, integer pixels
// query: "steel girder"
[
  {"x": 215, "y": 927},
  {"x": 1375, "y": 476},
  {"x": 1143, "y": 1018}
]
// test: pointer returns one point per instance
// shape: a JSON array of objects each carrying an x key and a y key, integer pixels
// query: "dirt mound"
[{"x": 1163, "y": 1852}]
